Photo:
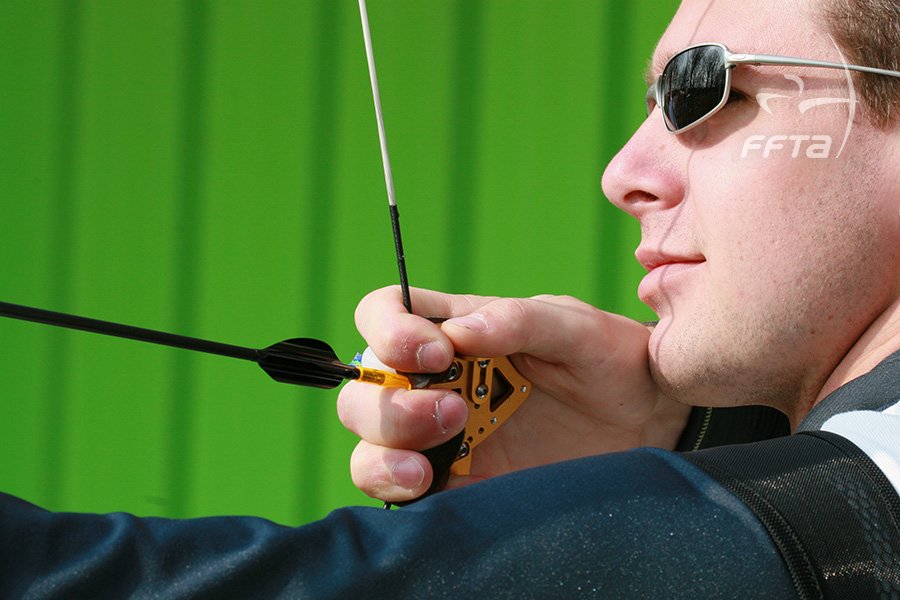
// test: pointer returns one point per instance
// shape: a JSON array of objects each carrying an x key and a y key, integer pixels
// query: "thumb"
[{"x": 556, "y": 329}]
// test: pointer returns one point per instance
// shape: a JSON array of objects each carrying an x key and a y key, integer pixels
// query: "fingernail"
[
  {"x": 475, "y": 322},
  {"x": 451, "y": 413},
  {"x": 433, "y": 357},
  {"x": 408, "y": 473}
]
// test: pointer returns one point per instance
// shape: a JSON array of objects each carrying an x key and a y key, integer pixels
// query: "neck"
[{"x": 878, "y": 342}]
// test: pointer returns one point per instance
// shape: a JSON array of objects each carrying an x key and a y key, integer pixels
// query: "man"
[
  {"x": 777, "y": 282},
  {"x": 775, "y": 275}
]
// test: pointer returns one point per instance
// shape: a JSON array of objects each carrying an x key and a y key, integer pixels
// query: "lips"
[
  {"x": 666, "y": 274},
  {"x": 654, "y": 259}
]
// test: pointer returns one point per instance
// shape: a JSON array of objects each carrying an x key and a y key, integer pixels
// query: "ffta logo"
[
  {"x": 816, "y": 146},
  {"x": 810, "y": 146}
]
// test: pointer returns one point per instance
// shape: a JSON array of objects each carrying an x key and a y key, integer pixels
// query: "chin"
[
  {"x": 672, "y": 367},
  {"x": 696, "y": 368}
]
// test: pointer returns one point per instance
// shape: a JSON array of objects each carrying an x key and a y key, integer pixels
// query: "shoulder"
[
  {"x": 866, "y": 411},
  {"x": 877, "y": 433}
]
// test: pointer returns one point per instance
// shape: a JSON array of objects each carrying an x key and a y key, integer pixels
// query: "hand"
[{"x": 592, "y": 391}]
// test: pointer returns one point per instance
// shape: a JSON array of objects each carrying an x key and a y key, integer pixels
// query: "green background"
[{"x": 212, "y": 169}]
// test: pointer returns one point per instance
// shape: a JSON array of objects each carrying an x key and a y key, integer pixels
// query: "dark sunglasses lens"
[{"x": 692, "y": 85}]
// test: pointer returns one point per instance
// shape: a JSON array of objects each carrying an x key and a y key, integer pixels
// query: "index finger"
[{"x": 410, "y": 342}]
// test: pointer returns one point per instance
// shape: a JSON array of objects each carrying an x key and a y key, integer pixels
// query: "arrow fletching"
[
  {"x": 305, "y": 361},
  {"x": 311, "y": 362}
]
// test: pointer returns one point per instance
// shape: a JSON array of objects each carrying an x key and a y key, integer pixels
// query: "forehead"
[{"x": 790, "y": 27}]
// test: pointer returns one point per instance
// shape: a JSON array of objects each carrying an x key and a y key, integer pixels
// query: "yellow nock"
[{"x": 384, "y": 378}]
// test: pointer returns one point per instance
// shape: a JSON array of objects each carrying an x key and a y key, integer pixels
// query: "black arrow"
[{"x": 301, "y": 361}]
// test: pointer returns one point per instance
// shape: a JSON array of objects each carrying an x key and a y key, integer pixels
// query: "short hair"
[{"x": 868, "y": 32}]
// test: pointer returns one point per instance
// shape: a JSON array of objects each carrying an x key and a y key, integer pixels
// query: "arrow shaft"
[
  {"x": 49, "y": 317},
  {"x": 385, "y": 157}
]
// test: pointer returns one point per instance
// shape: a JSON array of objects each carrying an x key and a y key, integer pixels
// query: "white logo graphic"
[{"x": 812, "y": 146}]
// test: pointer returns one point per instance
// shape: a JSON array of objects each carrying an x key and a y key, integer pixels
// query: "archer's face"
[{"x": 765, "y": 266}]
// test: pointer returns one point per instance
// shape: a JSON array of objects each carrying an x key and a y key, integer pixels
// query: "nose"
[{"x": 644, "y": 176}]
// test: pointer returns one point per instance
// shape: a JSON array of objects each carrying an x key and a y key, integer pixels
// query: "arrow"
[{"x": 300, "y": 361}]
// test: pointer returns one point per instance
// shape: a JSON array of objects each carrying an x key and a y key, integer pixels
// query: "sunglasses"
[{"x": 696, "y": 82}]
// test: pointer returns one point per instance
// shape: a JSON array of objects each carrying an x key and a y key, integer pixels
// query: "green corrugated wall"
[{"x": 212, "y": 169}]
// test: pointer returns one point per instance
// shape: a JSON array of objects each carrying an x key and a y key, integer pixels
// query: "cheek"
[
  {"x": 747, "y": 223},
  {"x": 800, "y": 237},
  {"x": 788, "y": 231}
]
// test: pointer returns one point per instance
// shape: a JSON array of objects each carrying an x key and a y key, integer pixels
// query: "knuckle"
[
  {"x": 417, "y": 416},
  {"x": 363, "y": 305},
  {"x": 364, "y": 471},
  {"x": 420, "y": 419},
  {"x": 462, "y": 304},
  {"x": 546, "y": 297},
  {"x": 471, "y": 301},
  {"x": 394, "y": 344},
  {"x": 373, "y": 299},
  {"x": 349, "y": 405},
  {"x": 511, "y": 319},
  {"x": 511, "y": 310},
  {"x": 568, "y": 300},
  {"x": 344, "y": 413},
  {"x": 562, "y": 300}
]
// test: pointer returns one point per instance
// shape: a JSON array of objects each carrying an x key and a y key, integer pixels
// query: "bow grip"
[{"x": 492, "y": 388}]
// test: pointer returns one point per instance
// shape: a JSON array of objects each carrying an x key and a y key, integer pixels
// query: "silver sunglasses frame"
[{"x": 732, "y": 60}]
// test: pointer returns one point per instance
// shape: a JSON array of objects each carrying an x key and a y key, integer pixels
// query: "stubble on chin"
[{"x": 733, "y": 363}]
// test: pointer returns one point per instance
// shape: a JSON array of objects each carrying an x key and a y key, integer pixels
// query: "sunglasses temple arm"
[
  {"x": 652, "y": 94},
  {"x": 770, "y": 59}
]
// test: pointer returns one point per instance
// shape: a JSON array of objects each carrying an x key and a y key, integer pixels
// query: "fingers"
[
  {"x": 394, "y": 423},
  {"x": 558, "y": 329},
  {"x": 427, "y": 303},
  {"x": 389, "y": 474},
  {"x": 409, "y": 342},
  {"x": 414, "y": 419},
  {"x": 389, "y": 420},
  {"x": 564, "y": 346},
  {"x": 558, "y": 342}
]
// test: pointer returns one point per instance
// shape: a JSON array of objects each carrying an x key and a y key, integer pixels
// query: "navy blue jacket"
[{"x": 639, "y": 524}]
